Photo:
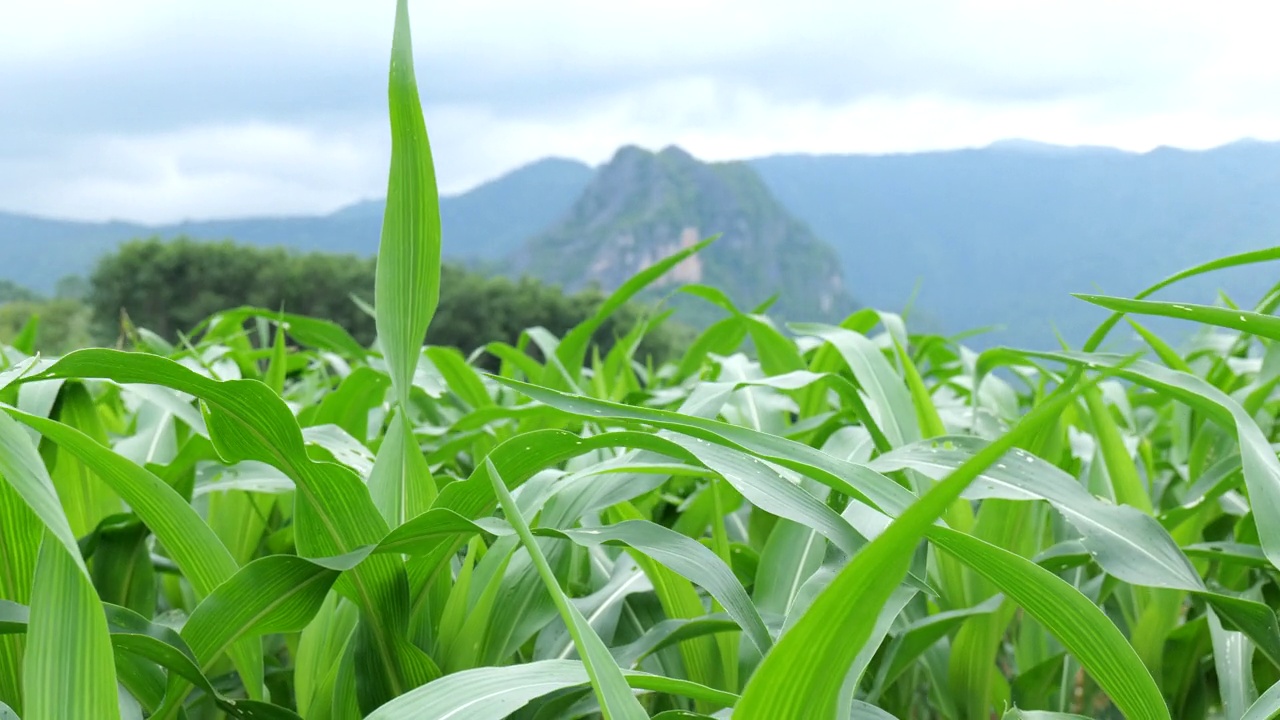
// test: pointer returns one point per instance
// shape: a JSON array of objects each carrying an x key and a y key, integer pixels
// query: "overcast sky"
[{"x": 157, "y": 110}]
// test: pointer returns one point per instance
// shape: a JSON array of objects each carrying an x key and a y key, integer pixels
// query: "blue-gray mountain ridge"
[{"x": 993, "y": 236}]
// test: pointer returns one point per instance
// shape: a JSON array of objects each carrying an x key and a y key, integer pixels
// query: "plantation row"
[{"x": 276, "y": 520}]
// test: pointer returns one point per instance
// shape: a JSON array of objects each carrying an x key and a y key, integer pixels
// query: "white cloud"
[
  {"x": 201, "y": 172},
  {"x": 152, "y": 110}
]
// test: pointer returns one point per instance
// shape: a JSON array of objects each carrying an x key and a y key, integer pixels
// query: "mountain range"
[{"x": 968, "y": 238}]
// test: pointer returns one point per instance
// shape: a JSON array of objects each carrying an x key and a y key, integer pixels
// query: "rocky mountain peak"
[{"x": 642, "y": 206}]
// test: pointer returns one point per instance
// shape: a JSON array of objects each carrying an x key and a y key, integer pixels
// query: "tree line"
[{"x": 169, "y": 287}]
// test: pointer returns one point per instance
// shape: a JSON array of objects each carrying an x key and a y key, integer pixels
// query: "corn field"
[{"x": 269, "y": 520}]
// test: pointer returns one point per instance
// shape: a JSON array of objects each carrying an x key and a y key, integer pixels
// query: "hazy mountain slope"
[
  {"x": 999, "y": 235},
  {"x": 36, "y": 251},
  {"x": 481, "y": 224},
  {"x": 642, "y": 206},
  {"x": 1004, "y": 234},
  {"x": 486, "y": 223}
]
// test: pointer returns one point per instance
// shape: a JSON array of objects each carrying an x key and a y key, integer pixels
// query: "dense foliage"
[
  {"x": 275, "y": 520},
  {"x": 52, "y": 325},
  {"x": 169, "y": 287},
  {"x": 13, "y": 292}
]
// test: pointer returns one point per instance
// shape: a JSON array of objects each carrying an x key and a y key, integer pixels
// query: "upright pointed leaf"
[{"x": 408, "y": 276}]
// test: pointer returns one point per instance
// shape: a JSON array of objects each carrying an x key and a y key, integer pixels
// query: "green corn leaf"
[
  {"x": 314, "y": 332},
  {"x": 1167, "y": 354},
  {"x": 519, "y": 458},
  {"x": 920, "y": 635},
  {"x": 239, "y": 519},
  {"x": 890, "y": 401},
  {"x": 1017, "y": 714},
  {"x": 680, "y": 601},
  {"x": 1073, "y": 619},
  {"x": 20, "y": 535},
  {"x": 469, "y": 642},
  {"x": 1122, "y": 471},
  {"x": 25, "y": 340},
  {"x": 1238, "y": 260},
  {"x": 138, "y": 640},
  {"x": 65, "y": 674},
  {"x": 851, "y": 478},
  {"x": 1254, "y": 323},
  {"x": 319, "y": 653},
  {"x": 523, "y": 608},
  {"x": 803, "y": 676},
  {"x": 452, "y": 617},
  {"x": 607, "y": 680},
  {"x": 862, "y": 711},
  {"x": 279, "y": 365},
  {"x": 1233, "y": 659},
  {"x": 977, "y": 684},
  {"x": 334, "y": 512},
  {"x": 778, "y": 353},
  {"x": 202, "y": 557},
  {"x": 401, "y": 485},
  {"x": 1266, "y": 707},
  {"x": 721, "y": 338},
  {"x": 493, "y": 693},
  {"x": 462, "y": 378},
  {"x": 69, "y": 670},
  {"x": 1124, "y": 542},
  {"x": 408, "y": 275},
  {"x": 1261, "y": 468},
  {"x": 792, "y": 553},
  {"x": 21, "y": 466},
  {"x": 122, "y": 570},
  {"x": 348, "y": 407},
  {"x": 686, "y": 557},
  {"x": 85, "y": 498},
  {"x": 274, "y": 594}
]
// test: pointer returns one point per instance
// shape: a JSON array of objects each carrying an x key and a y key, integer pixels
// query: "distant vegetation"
[
  {"x": 170, "y": 287},
  {"x": 65, "y": 319}
]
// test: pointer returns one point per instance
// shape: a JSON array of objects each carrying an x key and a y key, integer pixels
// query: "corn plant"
[{"x": 270, "y": 520}]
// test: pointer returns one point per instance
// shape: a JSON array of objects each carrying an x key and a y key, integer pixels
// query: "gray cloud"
[
  {"x": 245, "y": 63},
  {"x": 168, "y": 109}
]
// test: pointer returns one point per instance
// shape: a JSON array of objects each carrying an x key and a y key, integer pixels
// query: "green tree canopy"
[
  {"x": 168, "y": 287},
  {"x": 11, "y": 291}
]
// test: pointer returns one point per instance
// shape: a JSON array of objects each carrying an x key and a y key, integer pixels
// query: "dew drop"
[{"x": 1243, "y": 319}]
